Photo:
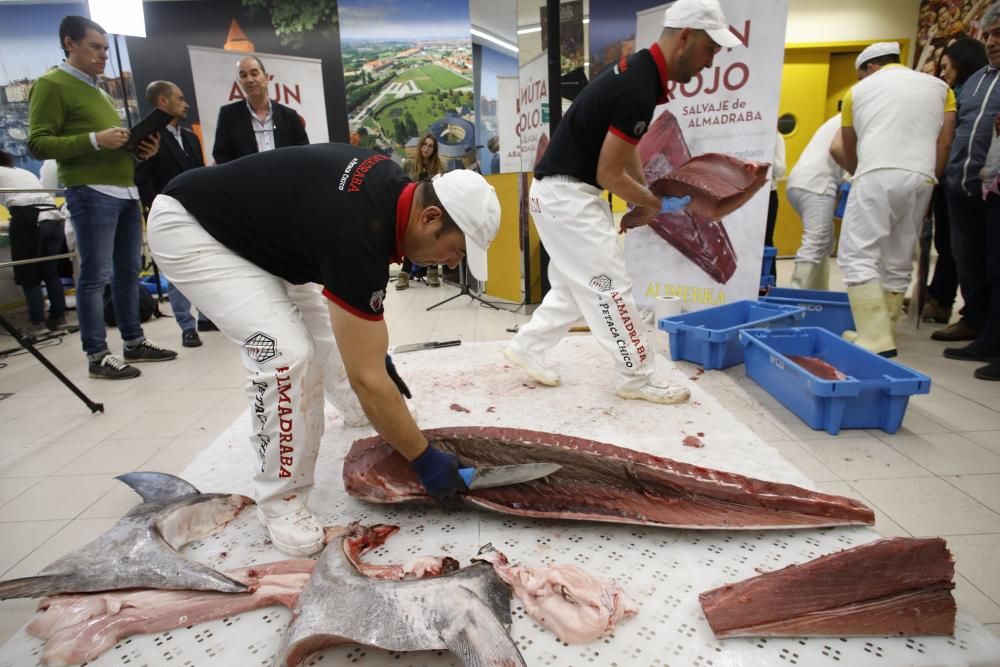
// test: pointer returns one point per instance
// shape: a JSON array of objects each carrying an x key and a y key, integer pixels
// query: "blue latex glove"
[
  {"x": 438, "y": 472},
  {"x": 673, "y": 204}
]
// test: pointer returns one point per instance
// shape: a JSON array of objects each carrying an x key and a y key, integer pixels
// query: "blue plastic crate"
[
  {"x": 710, "y": 337},
  {"x": 874, "y": 395},
  {"x": 767, "y": 282},
  {"x": 826, "y": 310},
  {"x": 770, "y": 252}
]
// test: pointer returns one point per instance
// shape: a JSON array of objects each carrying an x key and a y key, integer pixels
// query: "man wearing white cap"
[
  {"x": 257, "y": 243},
  {"x": 594, "y": 148},
  {"x": 897, "y": 126},
  {"x": 812, "y": 192}
]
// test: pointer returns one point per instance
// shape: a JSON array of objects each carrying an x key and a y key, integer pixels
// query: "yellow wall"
[{"x": 503, "y": 258}]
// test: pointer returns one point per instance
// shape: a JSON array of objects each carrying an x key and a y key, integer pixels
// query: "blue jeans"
[
  {"x": 182, "y": 309},
  {"x": 109, "y": 240}
]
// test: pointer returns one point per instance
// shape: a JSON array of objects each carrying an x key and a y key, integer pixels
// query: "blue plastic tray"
[
  {"x": 710, "y": 337},
  {"x": 149, "y": 282},
  {"x": 827, "y": 310},
  {"x": 874, "y": 395}
]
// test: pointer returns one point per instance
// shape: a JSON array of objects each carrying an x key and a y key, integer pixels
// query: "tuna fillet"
[
  {"x": 717, "y": 184},
  {"x": 898, "y": 586},
  {"x": 599, "y": 482}
]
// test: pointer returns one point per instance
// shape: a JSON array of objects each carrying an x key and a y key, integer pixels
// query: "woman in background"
[
  {"x": 424, "y": 165},
  {"x": 958, "y": 62}
]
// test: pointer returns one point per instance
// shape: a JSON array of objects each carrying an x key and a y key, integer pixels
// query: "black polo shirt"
[
  {"x": 331, "y": 214},
  {"x": 620, "y": 100}
]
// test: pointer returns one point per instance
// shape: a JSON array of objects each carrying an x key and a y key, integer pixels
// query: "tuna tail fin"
[
  {"x": 34, "y": 587},
  {"x": 157, "y": 486}
]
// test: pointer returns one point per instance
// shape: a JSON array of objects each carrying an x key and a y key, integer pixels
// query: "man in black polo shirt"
[
  {"x": 594, "y": 148},
  {"x": 254, "y": 240}
]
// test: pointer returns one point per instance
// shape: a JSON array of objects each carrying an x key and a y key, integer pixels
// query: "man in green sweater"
[{"x": 74, "y": 122}]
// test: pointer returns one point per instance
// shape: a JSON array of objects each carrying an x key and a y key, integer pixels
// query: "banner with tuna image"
[{"x": 729, "y": 108}]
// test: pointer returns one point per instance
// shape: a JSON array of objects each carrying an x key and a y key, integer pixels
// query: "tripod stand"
[{"x": 463, "y": 289}]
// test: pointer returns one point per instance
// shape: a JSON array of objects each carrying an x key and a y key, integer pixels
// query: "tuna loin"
[
  {"x": 717, "y": 184},
  {"x": 898, "y": 586},
  {"x": 78, "y": 628},
  {"x": 140, "y": 551},
  {"x": 701, "y": 239},
  {"x": 466, "y": 612},
  {"x": 599, "y": 482}
]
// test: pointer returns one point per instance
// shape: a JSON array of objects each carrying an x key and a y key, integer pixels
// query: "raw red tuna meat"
[
  {"x": 818, "y": 367},
  {"x": 599, "y": 482},
  {"x": 898, "y": 586}
]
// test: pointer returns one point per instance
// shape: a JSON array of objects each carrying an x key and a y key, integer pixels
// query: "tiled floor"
[{"x": 940, "y": 475}]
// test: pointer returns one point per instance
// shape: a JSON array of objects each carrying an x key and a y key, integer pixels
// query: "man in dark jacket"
[
  {"x": 256, "y": 124},
  {"x": 180, "y": 150}
]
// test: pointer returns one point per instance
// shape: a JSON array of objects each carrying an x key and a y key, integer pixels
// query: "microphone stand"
[{"x": 463, "y": 289}]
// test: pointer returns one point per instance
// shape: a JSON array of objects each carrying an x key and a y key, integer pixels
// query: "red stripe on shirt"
[
  {"x": 661, "y": 67},
  {"x": 621, "y": 135},
  {"x": 403, "y": 205},
  {"x": 351, "y": 309}
]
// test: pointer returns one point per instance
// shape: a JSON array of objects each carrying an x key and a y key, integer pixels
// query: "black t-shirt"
[
  {"x": 326, "y": 213},
  {"x": 620, "y": 100}
]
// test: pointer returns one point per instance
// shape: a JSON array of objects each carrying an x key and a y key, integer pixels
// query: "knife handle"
[{"x": 467, "y": 475}]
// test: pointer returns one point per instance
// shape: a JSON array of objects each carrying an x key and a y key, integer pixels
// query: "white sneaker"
[
  {"x": 296, "y": 533},
  {"x": 533, "y": 366},
  {"x": 656, "y": 391}
]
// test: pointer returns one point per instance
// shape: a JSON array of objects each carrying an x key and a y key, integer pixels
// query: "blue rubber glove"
[
  {"x": 673, "y": 204},
  {"x": 438, "y": 472}
]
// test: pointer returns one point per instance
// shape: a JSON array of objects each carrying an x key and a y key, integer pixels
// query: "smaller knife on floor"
[
  {"x": 431, "y": 345},
  {"x": 489, "y": 477}
]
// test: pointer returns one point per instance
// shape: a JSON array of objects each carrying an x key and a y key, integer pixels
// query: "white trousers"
[
  {"x": 816, "y": 212},
  {"x": 286, "y": 343},
  {"x": 588, "y": 277},
  {"x": 881, "y": 224}
]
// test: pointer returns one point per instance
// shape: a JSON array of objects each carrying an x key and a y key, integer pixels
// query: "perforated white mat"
[{"x": 663, "y": 570}]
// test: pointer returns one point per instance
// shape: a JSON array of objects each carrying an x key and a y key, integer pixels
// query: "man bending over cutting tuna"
[
  {"x": 594, "y": 147},
  {"x": 257, "y": 243}
]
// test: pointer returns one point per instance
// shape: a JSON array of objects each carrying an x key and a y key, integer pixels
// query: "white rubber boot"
[
  {"x": 871, "y": 319},
  {"x": 822, "y": 280},
  {"x": 533, "y": 366},
  {"x": 804, "y": 275},
  {"x": 656, "y": 391},
  {"x": 894, "y": 302},
  {"x": 296, "y": 532}
]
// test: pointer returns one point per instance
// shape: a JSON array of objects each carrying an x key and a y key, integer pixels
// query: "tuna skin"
[
  {"x": 897, "y": 586},
  {"x": 600, "y": 482}
]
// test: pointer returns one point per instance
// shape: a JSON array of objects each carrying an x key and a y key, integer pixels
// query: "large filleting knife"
[
  {"x": 430, "y": 345},
  {"x": 489, "y": 477}
]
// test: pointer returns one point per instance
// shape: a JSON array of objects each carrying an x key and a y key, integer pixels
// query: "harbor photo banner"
[{"x": 729, "y": 108}]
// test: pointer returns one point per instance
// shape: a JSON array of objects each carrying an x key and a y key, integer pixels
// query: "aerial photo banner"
[{"x": 408, "y": 71}]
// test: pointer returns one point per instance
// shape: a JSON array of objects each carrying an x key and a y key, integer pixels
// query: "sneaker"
[
  {"x": 532, "y": 366},
  {"x": 296, "y": 533},
  {"x": 433, "y": 277},
  {"x": 207, "y": 325},
  {"x": 960, "y": 330},
  {"x": 190, "y": 338},
  {"x": 656, "y": 391},
  {"x": 111, "y": 367},
  {"x": 148, "y": 351},
  {"x": 991, "y": 371},
  {"x": 402, "y": 280},
  {"x": 974, "y": 351},
  {"x": 56, "y": 323}
]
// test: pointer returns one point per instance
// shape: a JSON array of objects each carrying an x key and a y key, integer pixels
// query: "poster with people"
[
  {"x": 942, "y": 22},
  {"x": 730, "y": 108}
]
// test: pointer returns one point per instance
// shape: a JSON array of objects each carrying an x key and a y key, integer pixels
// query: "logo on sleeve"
[
  {"x": 376, "y": 301},
  {"x": 639, "y": 128}
]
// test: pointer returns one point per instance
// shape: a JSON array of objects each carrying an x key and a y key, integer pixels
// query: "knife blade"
[
  {"x": 490, "y": 477},
  {"x": 430, "y": 345}
]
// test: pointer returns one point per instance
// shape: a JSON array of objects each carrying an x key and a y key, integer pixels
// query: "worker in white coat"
[
  {"x": 812, "y": 192},
  {"x": 897, "y": 126},
  {"x": 594, "y": 148}
]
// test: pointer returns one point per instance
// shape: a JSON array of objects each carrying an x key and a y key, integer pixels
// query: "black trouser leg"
[
  {"x": 944, "y": 284},
  {"x": 968, "y": 245}
]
